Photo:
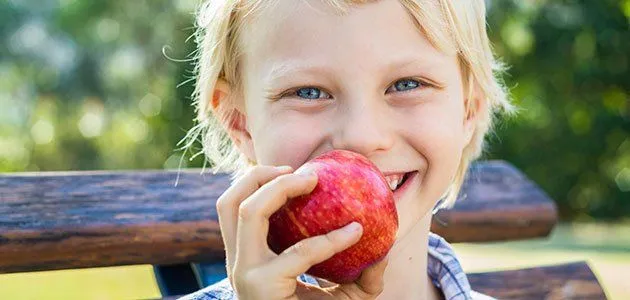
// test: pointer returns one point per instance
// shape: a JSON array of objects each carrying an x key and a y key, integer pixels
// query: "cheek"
[
  {"x": 437, "y": 134},
  {"x": 286, "y": 139},
  {"x": 437, "y": 127},
  {"x": 439, "y": 141}
]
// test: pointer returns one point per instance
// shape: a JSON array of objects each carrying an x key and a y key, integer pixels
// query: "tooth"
[
  {"x": 393, "y": 181},
  {"x": 392, "y": 184}
]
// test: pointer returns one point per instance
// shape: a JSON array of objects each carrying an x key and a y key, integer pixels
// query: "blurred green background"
[{"x": 106, "y": 85}]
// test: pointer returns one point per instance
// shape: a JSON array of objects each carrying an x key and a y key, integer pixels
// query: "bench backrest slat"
[
  {"x": 62, "y": 220},
  {"x": 565, "y": 281}
]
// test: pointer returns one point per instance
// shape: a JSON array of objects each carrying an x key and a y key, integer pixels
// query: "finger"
[
  {"x": 370, "y": 284},
  {"x": 228, "y": 204},
  {"x": 307, "y": 291},
  {"x": 298, "y": 258},
  {"x": 254, "y": 212}
]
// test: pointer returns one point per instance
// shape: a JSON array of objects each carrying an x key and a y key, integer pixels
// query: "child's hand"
[{"x": 256, "y": 272}]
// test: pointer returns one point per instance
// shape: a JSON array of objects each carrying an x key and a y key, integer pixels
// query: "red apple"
[{"x": 349, "y": 188}]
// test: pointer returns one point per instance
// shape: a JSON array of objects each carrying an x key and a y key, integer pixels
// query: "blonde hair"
[{"x": 453, "y": 26}]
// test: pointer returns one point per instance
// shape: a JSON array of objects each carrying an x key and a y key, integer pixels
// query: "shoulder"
[
  {"x": 221, "y": 290},
  {"x": 447, "y": 273},
  {"x": 443, "y": 265}
]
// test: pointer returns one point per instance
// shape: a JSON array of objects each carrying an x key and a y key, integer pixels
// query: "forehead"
[{"x": 313, "y": 33}]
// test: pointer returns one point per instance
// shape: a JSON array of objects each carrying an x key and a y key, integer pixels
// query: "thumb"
[
  {"x": 369, "y": 285},
  {"x": 371, "y": 279}
]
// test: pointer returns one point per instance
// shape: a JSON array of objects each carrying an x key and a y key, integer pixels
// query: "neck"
[{"x": 406, "y": 274}]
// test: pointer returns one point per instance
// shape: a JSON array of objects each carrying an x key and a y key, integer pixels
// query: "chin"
[{"x": 412, "y": 209}]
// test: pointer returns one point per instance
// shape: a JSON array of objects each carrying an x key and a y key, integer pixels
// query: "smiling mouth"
[{"x": 397, "y": 181}]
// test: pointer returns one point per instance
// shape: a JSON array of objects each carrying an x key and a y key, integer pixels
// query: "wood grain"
[
  {"x": 497, "y": 203},
  {"x": 571, "y": 281},
  {"x": 62, "y": 220},
  {"x": 559, "y": 282}
]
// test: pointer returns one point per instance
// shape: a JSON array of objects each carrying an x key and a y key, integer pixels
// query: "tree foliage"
[{"x": 87, "y": 85}]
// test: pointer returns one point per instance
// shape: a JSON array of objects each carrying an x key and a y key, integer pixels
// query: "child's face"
[{"x": 368, "y": 81}]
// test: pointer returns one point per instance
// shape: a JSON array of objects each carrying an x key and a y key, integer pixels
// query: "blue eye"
[
  {"x": 405, "y": 85},
  {"x": 308, "y": 93},
  {"x": 311, "y": 93}
]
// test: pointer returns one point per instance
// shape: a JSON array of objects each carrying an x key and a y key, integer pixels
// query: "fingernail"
[
  {"x": 309, "y": 175},
  {"x": 352, "y": 227},
  {"x": 305, "y": 169},
  {"x": 284, "y": 168}
]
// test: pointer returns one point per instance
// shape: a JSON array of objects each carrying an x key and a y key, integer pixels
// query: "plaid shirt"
[{"x": 443, "y": 268}]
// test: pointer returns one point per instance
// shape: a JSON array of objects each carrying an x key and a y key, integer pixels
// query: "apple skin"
[{"x": 349, "y": 188}]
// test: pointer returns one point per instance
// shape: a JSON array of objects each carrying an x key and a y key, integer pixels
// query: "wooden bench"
[{"x": 68, "y": 220}]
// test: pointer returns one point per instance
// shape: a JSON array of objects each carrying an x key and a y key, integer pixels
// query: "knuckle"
[
  {"x": 257, "y": 171},
  {"x": 303, "y": 249},
  {"x": 246, "y": 280},
  {"x": 380, "y": 288},
  {"x": 282, "y": 180},
  {"x": 330, "y": 239},
  {"x": 221, "y": 203},
  {"x": 275, "y": 187},
  {"x": 253, "y": 171},
  {"x": 372, "y": 292},
  {"x": 332, "y": 244},
  {"x": 246, "y": 210}
]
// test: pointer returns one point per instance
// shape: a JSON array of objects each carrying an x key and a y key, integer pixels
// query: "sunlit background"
[{"x": 106, "y": 85}]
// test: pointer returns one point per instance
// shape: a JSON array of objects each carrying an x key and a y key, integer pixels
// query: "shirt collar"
[{"x": 445, "y": 271}]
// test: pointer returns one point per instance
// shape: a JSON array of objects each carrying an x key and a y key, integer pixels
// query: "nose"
[{"x": 363, "y": 128}]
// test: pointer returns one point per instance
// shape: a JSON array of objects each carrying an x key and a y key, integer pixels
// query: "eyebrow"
[{"x": 287, "y": 69}]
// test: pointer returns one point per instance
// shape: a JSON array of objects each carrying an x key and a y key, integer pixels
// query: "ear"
[
  {"x": 226, "y": 105},
  {"x": 474, "y": 108}
]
